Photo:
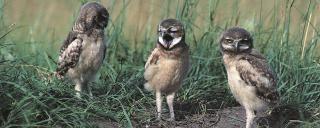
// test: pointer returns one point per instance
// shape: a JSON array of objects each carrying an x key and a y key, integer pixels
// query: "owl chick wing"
[
  {"x": 153, "y": 58},
  {"x": 69, "y": 54},
  {"x": 150, "y": 67},
  {"x": 255, "y": 71}
]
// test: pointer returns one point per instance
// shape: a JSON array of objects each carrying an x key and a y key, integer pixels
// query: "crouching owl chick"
[
  {"x": 250, "y": 78},
  {"x": 168, "y": 63},
  {"x": 83, "y": 52}
]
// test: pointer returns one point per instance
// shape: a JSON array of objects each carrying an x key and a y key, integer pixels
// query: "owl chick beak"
[
  {"x": 236, "y": 45},
  {"x": 165, "y": 40},
  {"x": 168, "y": 41},
  {"x": 240, "y": 47}
]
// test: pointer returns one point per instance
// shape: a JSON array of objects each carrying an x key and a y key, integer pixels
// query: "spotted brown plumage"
[
  {"x": 83, "y": 51},
  {"x": 69, "y": 54},
  {"x": 250, "y": 78},
  {"x": 266, "y": 89}
]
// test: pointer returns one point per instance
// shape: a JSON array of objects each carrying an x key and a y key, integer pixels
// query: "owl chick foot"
[
  {"x": 59, "y": 76},
  {"x": 170, "y": 119}
]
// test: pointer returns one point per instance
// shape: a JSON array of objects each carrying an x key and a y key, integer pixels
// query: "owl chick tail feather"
[{"x": 148, "y": 87}]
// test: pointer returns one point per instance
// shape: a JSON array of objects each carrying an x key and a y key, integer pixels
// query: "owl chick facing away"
[
  {"x": 83, "y": 52},
  {"x": 168, "y": 64},
  {"x": 250, "y": 78}
]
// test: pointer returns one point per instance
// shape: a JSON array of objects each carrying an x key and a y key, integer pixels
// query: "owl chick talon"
[
  {"x": 58, "y": 75},
  {"x": 171, "y": 119}
]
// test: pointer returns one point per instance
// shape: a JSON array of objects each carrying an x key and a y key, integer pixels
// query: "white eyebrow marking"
[
  {"x": 174, "y": 29},
  {"x": 227, "y": 38}
]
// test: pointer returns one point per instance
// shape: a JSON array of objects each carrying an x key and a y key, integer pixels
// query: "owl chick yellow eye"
[{"x": 229, "y": 40}]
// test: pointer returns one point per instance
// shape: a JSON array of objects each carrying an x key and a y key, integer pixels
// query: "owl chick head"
[
  {"x": 171, "y": 33},
  {"x": 236, "y": 40},
  {"x": 92, "y": 15}
]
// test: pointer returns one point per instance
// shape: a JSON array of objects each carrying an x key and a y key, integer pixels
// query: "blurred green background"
[{"x": 42, "y": 20}]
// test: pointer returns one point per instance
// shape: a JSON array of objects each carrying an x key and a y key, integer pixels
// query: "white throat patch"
[
  {"x": 173, "y": 42},
  {"x": 162, "y": 42}
]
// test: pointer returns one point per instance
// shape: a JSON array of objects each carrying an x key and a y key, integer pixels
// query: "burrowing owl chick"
[
  {"x": 168, "y": 64},
  {"x": 250, "y": 78},
  {"x": 83, "y": 52}
]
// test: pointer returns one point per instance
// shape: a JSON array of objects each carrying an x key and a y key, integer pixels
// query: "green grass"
[{"x": 31, "y": 97}]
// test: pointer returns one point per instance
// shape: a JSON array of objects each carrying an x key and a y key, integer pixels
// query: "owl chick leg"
[
  {"x": 158, "y": 103},
  {"x": 170, "y": 99},
  {"x": 87, "y": 89},
  {"x": 78, "y": 88},
  {"x": 250, "y": 117},
  {"x": 90, "y": 92}
]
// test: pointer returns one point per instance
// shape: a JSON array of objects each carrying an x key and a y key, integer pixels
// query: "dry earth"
[{"x": 284, "y": 116}]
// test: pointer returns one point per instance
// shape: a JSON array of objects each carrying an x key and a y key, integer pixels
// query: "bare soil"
[
  {"x": 225, "y": 118},
  {"x": 233, "y": 117}
]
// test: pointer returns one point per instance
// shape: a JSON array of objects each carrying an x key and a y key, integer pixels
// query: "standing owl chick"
[
  {"x": 83, "y": 52},
  {"x": 250, "y": 78},
  {"x": 168, "y": 63}
]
